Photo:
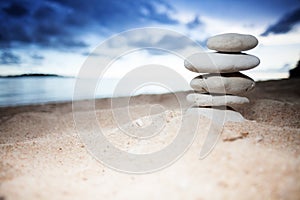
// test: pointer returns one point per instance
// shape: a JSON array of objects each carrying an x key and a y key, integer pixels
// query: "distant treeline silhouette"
[{"x": 32, "y": 75}]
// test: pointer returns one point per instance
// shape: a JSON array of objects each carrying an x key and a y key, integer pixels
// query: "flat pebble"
[
  {"x": 220, "y": 62},
  {"x": 217, "y": 100},
  {"x": 216, "y": 114},
  {"x": 232, "y": 42},
  {"x": 226, "y": 83}
]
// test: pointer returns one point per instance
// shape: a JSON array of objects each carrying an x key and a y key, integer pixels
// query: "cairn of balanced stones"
[{"x": 222, "y": 83}]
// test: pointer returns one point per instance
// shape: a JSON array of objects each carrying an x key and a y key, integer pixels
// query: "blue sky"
[{"x": 55, "y": 36}]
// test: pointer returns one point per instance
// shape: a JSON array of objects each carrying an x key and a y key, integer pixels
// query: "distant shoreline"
[
  {"x": 35, "y": 75},
  {"x": 260, "y": 76}
]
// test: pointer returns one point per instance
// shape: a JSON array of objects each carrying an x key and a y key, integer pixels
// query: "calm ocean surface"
[
  {"x": 44, "y": 89},
  {"x": 26, "y": 90}
]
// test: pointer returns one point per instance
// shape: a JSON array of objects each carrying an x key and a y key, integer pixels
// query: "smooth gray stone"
[
  {"x": 232, "y": 42},
  {"x": 226, "y": 83},
  {"x": 215, "y": 62},
  {"x": 217, "y": 100},
  {"x": 217, "y": 115}
]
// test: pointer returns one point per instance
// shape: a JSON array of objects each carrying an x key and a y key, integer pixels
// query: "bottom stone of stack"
[
  {"x": 197, "y": 99},
  {"x": 217, "y": 115}
]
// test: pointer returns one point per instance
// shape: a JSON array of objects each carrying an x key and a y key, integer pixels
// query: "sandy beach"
[{"x": 42, "y": 157}]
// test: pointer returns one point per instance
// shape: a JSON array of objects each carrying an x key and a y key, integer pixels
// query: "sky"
[{"x": 57, "y": 36}]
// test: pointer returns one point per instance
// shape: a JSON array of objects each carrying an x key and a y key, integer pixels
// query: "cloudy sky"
[{"x": 56, "y": 36}]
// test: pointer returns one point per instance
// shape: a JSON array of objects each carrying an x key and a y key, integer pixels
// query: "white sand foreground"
[{"x": 42, "y": 157}]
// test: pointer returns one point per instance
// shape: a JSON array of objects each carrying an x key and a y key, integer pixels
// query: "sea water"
[
  {"x": 26, "y": 90},
  {"x": 37, "y": 90}
]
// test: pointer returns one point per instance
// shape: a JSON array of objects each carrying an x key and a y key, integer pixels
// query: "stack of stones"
[{"x": 222, "y": 82}]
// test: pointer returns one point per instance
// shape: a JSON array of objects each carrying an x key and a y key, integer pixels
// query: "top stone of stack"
[{"x": 232, "y": 42}]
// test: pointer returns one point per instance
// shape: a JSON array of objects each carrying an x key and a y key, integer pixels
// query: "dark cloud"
[
  {"x": 42, "y": 24},
  {"x": 90, "y": 54},
  {"x": 37, "y": 57},
  {"x": 285, "y": 24},
  {"x": 118, "y": 15},
  {"x": 8, "y": 58},
  {"x": 195, "y": 23},
  {"x": 154, "y": 45},
  {"x": 167, "y": 41},
  {"x": 63, "y": 23},
  {"x": 16, "y": 10}
]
